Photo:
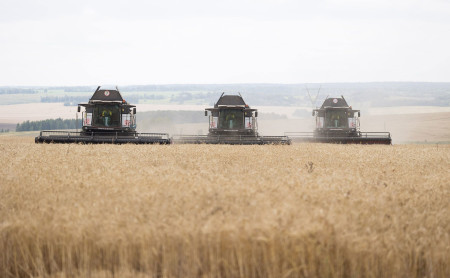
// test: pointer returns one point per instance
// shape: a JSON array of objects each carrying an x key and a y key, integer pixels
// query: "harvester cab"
[
  {"x": 337, "y": 122},
  {"x": 336, "y": 118},
  {"x": 232, "y": 116},
  {"x": 108, "y": 111},
  {"x": 231, "y": 121},
  {"x": 106, "y": 118}
]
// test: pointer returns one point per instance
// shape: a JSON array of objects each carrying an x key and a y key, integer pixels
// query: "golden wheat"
[{"x": 307, "y": 210}]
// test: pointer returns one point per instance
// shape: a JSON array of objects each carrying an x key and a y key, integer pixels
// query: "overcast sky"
[{"x": 88, "y": 42}]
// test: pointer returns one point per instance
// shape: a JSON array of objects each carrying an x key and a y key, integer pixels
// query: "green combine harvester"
[
  {"x": 107, "y": 119},
  {"x": 231, "y": 121},
  {"x": 337, "y": 122}
]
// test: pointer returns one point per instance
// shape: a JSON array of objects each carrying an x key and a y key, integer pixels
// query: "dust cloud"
[{"x": 404, "y": 128}]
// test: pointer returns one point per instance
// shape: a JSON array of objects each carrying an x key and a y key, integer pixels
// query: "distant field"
[{"x": 307, "y": 210}]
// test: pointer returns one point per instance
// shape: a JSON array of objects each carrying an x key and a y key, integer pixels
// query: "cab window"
[
  {"x": 336, "y": 119},
  {"x": 107, "y": 115},
  {"x": 231, "y": 119}
]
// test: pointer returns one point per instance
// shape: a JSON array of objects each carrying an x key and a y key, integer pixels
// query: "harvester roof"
[
  {"x": 110, "y": 95},
  {"x": 230, "y": 100},
  {"x": 105, "y": 96},
  {"x": 338, "y": 102}
]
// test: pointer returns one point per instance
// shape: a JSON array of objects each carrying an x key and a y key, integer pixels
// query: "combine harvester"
[
  {"x": 231, "y": 121},
  {"x": 107, "y": 119},
  {"x": 336, "y": 122}
]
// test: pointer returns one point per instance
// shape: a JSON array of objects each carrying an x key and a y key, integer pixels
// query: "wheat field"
[{"x": 305, "y": 210}]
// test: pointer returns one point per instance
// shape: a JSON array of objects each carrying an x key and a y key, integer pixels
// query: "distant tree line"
[
  {"x": 76, "y": 89},
  {"x": 134, "y": 98},
  {"x": 75, "y": 100},
  {"x": 231, "y": 88},
  {"x": 11, "y": 91},
  {"x": 186, "y": 96},
  {"x": 50, "y": 124},
  {"x": 4, "y": 130}
]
